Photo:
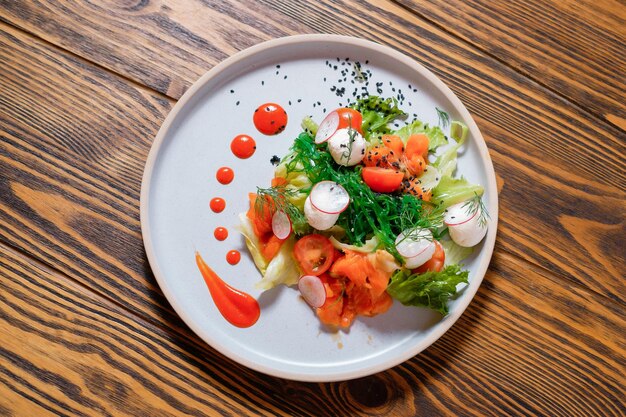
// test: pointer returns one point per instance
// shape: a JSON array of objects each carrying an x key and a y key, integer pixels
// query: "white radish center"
[
  {"x": 312, "y": 290},
  {"x": 329, "y": 197},
  {"x": 281, "y": 225},
  {"x": 327, "y": 128}
]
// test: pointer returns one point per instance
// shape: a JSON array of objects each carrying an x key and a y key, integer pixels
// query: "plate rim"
[{"x": 488, "y": 243}]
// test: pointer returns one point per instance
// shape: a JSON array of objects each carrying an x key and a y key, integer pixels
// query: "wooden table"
[{"x": 84, "y": 328}]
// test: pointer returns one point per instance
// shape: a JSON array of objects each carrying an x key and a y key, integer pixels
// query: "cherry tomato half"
[
  {"x": 382, "y": 180},
  {"x": 350, "y": 118},
  {"x": 314, "y": 253}
]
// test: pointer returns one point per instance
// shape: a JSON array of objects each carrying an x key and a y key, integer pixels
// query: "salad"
[{"x": 358, "y": 214}]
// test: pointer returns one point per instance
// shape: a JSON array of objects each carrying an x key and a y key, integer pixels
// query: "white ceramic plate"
[{"x": 179, "y": 181}]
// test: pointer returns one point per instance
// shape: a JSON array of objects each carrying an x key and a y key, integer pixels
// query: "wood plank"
[
  {"x": 67, "y": 351},
  {"x": 53, "y": 194},
  {"x": 574, "y": 47}
]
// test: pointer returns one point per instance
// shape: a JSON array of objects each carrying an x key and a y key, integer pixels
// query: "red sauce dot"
[
  {"x": 270, "y": 118},
  {"x": 217, "y": 204},
  {"x": 243, "y": 146},
  {"x": 233, "y": 257},
  {"x": 220, "y": 233},
  {"x": 225, "y": 175}
]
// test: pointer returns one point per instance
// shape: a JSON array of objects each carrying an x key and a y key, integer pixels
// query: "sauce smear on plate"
[{"x": 237, "y": 307}]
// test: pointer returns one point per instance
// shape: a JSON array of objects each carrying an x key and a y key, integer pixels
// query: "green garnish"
[
  {"x": 359, "y": 76},
  {"x": 444, "y": 118},
  {"x": 278, "y": 199},
  {"x": 430, "y": 289},
  {"x": 476, "y": 205},
  {"x": 309, "y": 126}
]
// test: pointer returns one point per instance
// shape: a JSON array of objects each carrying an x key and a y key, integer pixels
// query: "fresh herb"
[
  {"x": 430, "y": 289},
  {"x": 347, "y": 154},
  {"x": 360, "y": 76},
  {"x": 277, "y": 198},
  {"x": 475, "y": 206},
  {"x": 444, "y": 118}
]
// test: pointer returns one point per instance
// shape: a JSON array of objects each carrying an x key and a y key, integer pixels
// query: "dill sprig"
[
  {"x": 276, "y": 198},
  {"x": 444, "y": 118},
  {"x": 476, "y": 205},
  {"x": 359, "y": 76}
]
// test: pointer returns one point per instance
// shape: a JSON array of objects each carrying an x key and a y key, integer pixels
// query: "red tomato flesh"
[
  {"x": 382, "y": 180},
  {"x": 350, "y": 118},
  {"x": 314, "y": 253}
]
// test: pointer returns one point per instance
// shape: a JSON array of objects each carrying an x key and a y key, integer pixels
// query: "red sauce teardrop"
[
  {"x": 217, "y": 204},
  {"x": 243, "y": 146},
  {"x": 270, "y": 119},
  {"x": 225, "y": 175},
  {"x": 220, "y": 233},
  {"x": 233, "y": 257},
  {"x": 237, "y": 307}
]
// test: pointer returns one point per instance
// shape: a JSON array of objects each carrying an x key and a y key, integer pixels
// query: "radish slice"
[
  {"x": 312, "y": 290},
  {"x": 458, "y": 214},
  {"x": 318, "y": 219},
  {"x": 327, "y": 128},
  {"x": 413, "y": 243},
  {"x": 416, "y": 247},
  {"x": 467, "y": 225},
  {"x": 281, "y": 225},
  {"x": 329, "y": 197}
]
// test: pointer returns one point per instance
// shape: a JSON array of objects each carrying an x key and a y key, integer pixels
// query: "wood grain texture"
[
  {"x": 576, "y": 48},
  {"x": 557, "y": 162},
  {"x": 98, "y": 338},
  {"x": 525, "y": 346}
]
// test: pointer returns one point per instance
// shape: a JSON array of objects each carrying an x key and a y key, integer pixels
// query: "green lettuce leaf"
[
  {"x": 369, "y": 246},
  {"x": 282, "y": 269},
  {"x": 297, "y": 180},
  {"x": 377, "y": 114},
  {"x": 430, "y": 289},
  {"x": 450, "y": 191},
  {"x": 455, "y": 253},
  {"x": 252, "y": 242},
  {"x": 446, "y": 162},
  {"x": 309, "y": 126}
]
